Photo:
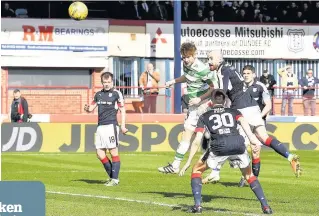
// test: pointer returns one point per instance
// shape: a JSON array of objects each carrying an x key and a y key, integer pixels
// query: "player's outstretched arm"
[
  {"x": 197, "y": 100},
  {"x": 203, "y": 107},
  {"x": 194, "y": 148},
  {"x": 180, "y": 79}
]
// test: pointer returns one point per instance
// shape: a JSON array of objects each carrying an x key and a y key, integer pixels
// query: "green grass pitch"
[{"x": 74, "y": 185}]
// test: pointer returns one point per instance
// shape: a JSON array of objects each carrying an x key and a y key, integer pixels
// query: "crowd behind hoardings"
[
  {"x": 211, "y": 11},
  {"x": 289, "y": 84}
]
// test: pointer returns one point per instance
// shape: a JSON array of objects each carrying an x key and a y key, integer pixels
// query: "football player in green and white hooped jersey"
[{"x": 200, "y": 82}]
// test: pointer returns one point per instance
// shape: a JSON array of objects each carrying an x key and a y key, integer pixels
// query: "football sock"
[
  {"x": 215, "y": 172},
  {"x": 196, "y": 184},
  {"x": 256, "y": 166},
  {"x": 180, "y": 152},
  {"x": 257, "y": 189},
  {"x": 116, "y": 165},
  {"x": 277, "y": 146},
  {"x": 107, "y": 166}
]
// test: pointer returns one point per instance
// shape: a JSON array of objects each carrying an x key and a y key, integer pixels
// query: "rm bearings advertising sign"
[
  {"x": 64, "y": 137},
  {"x": 237, "y": 41},
  {"x": 42, "y": 37}
]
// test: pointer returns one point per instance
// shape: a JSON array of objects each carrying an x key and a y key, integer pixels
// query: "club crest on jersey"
[
  {"x": 110, "y": 94},
  {"x": 254, "y": 89}
]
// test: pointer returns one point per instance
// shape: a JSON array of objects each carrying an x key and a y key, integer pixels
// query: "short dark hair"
[
  {"x": 265, "y": 71},
  {"x": 106, "y": 75},
  {"x": 16, "y": 91},
  {"x": 218, "y": 96},
  {"x": 249, "y": 67}
]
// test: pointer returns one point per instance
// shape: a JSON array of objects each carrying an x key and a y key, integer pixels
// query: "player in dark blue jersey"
[
  {"x": 108, "y": 101},
  {"x": 233, "y": 83},
  {"x": 225, "y": 144},
  {"x": 260, "y": 94}
]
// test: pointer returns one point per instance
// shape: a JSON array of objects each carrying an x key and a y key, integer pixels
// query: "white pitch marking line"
[
  {"x": 113, "y": 198},
  {"x": 141, "y": 201},
  {"x": 75, "y": 153},
  {"x": 79, "y": 171}
]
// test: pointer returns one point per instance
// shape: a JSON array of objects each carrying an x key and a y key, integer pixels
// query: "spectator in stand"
[
  {"x": 289, "y": 84},
  {"x": 149, "y": 80},
  {"x": 224, "y": 11},
  {"x": 257, "y": 8},
  {"x": 299, "y": 18},
  {"x": 235, "y": 7},
  {"x": 7, "y": 11},
  {"x": 136, "y": 10},
  {"x": 315, "y": 12},
  {"x": 292, "y": 10},
  {"x": 259, "y": 18},
  {"x": 284, "y": 17},
  {"x": 158, "y": 11},
  {"x": 211, "y": 16},
  {"x": 306, "y": 11},
  {"x": 308, "y": 93},
  {"x": 145, "y": 10},
  {"x": 170, "y": 10},
  {"x": 186, "y": 13},
  {"x": 267, "y": 19},
  {"x": 243, "y": 16},
  {"x": 209, "y": 8},
  {"x": 269, "y": 82},
  {"x": 200, "y": 16},
  {"x": 249, "y": 12}
]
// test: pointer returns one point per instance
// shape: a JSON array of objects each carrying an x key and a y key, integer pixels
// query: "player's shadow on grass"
[
  {"x": 90, "y": 181},
  {"x": 205, "y": 198},
  {"x": 229, "y": 184},
  {"x": 184, "y": 208}
]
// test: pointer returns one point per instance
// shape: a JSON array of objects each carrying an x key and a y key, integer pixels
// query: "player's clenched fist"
[
  {"x": 195, "y": 101},
  {"x": 86, "y": 108},
  {"x": 124, "y": 129}
]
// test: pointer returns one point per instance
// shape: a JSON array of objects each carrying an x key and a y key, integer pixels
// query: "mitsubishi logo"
[{"x": 158, "y": 37}]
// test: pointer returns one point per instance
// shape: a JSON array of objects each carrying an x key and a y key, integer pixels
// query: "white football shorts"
[
  {"x": 107, "y": 136},
  {"x": 253, "y": 116},
  {"x": 192, "y": 116},
  {"x": 241, "y": 161}
]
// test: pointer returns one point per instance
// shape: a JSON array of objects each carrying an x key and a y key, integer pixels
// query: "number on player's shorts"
[
  {"x": 112, "y": 139},
  {"x": 225, "y": 119}
]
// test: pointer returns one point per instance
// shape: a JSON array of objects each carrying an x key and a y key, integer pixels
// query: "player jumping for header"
[
  {"x": 226, "y": 144},
  {"x": 200, "y": 82},
  {"x": 232, "y": 82},
  {"x": 108, "y": 101}
]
